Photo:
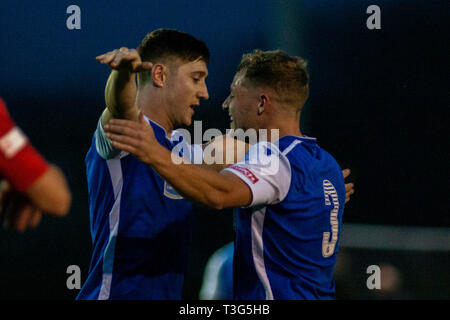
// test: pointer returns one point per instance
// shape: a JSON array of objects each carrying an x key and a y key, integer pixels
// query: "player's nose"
[
  {"x": 226, "y": 103},
  {"x": 203, "y": 93}
]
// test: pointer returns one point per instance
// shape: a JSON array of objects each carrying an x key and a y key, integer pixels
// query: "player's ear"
[
  {"x": 158, "y": 75},
  {"x": 262, "y": 103}
]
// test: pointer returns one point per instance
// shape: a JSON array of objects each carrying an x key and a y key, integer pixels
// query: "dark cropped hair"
[
  {"x": 286, "y": 75},
  {"x": 163, "y": 43}
]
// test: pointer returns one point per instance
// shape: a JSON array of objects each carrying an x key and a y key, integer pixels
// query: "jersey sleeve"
[
  {"x": 104, "y": 145},
  {"x": 266, "y": 171},
  {"x": 20, "y": 163}
]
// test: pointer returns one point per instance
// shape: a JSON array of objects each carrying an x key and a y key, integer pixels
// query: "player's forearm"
[
  {"x": 120, "y": 93},
  {"x": 50, "y": 193},
  {"x": 199, "y": 183},
  {"x": 223, "y": 151}
]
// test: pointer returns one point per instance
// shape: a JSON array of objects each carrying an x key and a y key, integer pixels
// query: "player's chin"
[
  {"x": 188, "y": 120},
  {"x": 188, "y": 116}
]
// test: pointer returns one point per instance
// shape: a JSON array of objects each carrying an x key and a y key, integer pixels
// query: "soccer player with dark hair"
[
  {"x": 288, "y": 220},
  {"x": 140, "y": 226}
]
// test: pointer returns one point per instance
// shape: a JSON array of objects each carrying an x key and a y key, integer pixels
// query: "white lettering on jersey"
[
  {"x": 328, "y": 246},
  {"x": 247, "y": 173}
]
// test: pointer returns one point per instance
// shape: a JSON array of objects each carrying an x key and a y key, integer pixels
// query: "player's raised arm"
[{"x": 120, "y": 90}]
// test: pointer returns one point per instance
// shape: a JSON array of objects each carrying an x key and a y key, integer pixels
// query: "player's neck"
[
  {"x": 154, "y": 109},
  {"x": 285, "y": 128}
]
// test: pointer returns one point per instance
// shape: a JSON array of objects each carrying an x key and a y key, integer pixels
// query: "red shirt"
[{"x": 20, "y": 163}]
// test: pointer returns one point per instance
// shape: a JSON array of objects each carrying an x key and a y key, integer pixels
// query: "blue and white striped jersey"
[
  {"x": 140, "y": 226},
  {"x": 287, "y": 239}
]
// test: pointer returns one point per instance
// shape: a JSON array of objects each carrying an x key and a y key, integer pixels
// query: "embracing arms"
[
  {"x": 216, "y": 189},
  {"x": 198, "y": 183}
]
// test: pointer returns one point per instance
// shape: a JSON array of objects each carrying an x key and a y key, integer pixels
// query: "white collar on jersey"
[{"x": 173, "y": 134}]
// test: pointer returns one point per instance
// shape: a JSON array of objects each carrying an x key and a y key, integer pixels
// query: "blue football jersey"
[
  {"x": 287, "y": 239},
  {"x": 140, "y": 225}
]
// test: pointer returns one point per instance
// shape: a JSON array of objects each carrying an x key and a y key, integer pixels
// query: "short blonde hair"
[{"x": 286, "y": 75}]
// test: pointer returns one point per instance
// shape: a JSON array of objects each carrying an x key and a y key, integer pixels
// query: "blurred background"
[{"x": 378, "y": 103}]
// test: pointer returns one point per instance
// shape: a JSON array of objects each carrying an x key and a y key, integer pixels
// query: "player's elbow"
[
  {"x": 60, "y": 197},
  {"x": 61, "y": 205},
  {"x": 57, "y": 204},
  {"x": 51, "y": 192},
  {"x": 216, "y": 200},
  {"x": 217, "y": 205}
]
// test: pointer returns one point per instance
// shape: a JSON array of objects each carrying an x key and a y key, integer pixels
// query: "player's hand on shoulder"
[{"x": 124, "y": 59}]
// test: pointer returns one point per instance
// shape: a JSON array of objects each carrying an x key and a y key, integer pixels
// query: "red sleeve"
[{"x": 20, "y": 163}]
